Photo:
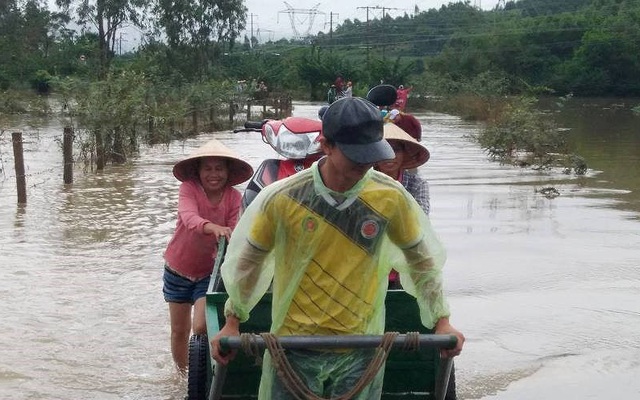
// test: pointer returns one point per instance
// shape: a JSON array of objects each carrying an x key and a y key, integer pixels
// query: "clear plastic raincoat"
[{"x": 326, "y": 256}]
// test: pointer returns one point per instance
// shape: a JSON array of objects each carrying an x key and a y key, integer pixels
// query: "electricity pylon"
[{"x": 310, "y": 15}]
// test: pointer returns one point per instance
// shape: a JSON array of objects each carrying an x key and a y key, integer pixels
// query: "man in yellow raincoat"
[{"x": 325, "y": 240}]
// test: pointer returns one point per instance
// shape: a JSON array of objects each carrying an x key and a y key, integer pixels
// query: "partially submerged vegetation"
[{"x": 523, "y": 135}]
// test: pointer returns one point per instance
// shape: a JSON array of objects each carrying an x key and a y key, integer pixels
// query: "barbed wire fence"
[{"x": 33, "y": 171}]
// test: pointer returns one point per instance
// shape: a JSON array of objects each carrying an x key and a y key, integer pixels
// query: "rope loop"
[
  {"x": 250, "y": 347},
  {"x": 411, "y": 341}
]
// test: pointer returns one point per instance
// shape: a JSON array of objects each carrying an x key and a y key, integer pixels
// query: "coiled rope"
[{"x": 296, "y": 386}]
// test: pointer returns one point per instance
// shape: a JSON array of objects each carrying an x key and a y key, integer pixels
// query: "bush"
[
  {"x": 524, "y": 136},
  {"x": 41, "y": 82}
]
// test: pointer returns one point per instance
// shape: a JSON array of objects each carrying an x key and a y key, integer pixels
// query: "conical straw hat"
[
  {"x": 415, "y": 153},
  {"x": 239, "y": 170}
]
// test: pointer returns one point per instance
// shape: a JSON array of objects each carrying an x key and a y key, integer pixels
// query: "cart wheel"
[{"x": 197, "y": 378}]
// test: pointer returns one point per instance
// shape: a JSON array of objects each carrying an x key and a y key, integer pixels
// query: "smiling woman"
[{"x": 208, "y": 208}]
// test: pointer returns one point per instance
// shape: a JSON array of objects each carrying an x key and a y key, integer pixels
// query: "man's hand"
[
  {"x": 443, "y": 327},
  {"x": 230, "y": 328}
]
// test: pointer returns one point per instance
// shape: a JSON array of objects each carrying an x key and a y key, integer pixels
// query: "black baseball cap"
[{"x": 356, "y": 126}]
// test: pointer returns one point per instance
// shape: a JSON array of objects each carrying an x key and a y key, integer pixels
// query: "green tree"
[
  {"x": 195, "y": 28},
  {"x": 107, "y": 17}
]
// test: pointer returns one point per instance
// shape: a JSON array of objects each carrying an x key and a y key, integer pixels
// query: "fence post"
[
  {"x": 100, "y": 156},
  {"x": 194, "y": 120},
  {"x": 232, "y": 111},
  {"x": 18, "y": 156},
  {"x": 248, "y": 109},
  {"x": 67, "y": 154}
]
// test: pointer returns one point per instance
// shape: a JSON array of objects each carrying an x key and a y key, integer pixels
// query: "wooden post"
[
  {"x": 67, "y": 154},
  {"x": 231, "y": 111},
  {"x": 212, "y": 117},
  {"x": 194, "y": 120},
  {"x": 248, "y": 109},
  {"x": 18, "y": 156},
  {"x": 100, "y": 156}
]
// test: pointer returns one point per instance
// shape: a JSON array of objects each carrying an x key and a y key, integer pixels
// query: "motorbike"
[{"x": 295, "y": 139}]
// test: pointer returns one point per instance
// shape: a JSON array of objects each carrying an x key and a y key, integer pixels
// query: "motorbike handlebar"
[
  {"x": 251, "y": 126},
  {"x": 254, "y": 124}
]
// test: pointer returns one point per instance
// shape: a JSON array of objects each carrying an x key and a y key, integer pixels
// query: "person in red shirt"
[
  {"x": 208, "y": 208},
  {"x": 339, "y": 82},
  {"x": 402, "y": 97}
]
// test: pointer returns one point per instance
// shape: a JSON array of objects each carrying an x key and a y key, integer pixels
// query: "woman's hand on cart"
[{"x": 230, "y": 328}]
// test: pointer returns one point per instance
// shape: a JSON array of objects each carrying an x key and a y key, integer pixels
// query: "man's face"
[{"x": 349, "y": 170}]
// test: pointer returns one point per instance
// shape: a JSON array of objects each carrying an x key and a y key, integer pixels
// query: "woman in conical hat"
[
  {"x": 409, "y": 155},
  {"x": 208, "y": 208}
]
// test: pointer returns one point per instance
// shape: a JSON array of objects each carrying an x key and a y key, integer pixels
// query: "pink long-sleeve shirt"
[{"x": 190, "y": 252}]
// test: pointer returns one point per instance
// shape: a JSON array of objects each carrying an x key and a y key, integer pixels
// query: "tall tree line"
[{"x": 585, "y": 47}]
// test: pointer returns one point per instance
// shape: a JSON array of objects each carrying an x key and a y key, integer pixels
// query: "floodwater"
[{"x": 545, "y": 290}]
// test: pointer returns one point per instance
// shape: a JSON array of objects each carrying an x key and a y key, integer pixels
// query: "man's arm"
[
  {"x": 242, "y": 285},
  {"x": 426, "y": 277}
]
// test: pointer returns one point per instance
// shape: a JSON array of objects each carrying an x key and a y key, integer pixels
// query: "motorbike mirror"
[
  {"x": 382, "y": 95},
  {"x": 322, "y": 110}
]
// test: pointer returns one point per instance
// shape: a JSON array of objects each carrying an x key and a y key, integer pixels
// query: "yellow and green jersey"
[{"x": 328, "y": 254}]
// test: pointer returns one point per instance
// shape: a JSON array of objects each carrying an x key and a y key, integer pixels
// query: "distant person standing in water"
[
  {"x": 402, "y": 97},
  {"x": 332, "y": 94},
  {"x": 348, "y": 91},
  {"x": 208, "y": 208}
]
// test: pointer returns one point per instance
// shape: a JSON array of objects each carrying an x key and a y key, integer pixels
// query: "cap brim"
[{"x": 369, "y": 153}]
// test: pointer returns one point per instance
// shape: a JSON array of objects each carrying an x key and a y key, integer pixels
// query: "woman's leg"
[
  {"x": 180, "y": 314},
  {"x": 199, "y": 321}
]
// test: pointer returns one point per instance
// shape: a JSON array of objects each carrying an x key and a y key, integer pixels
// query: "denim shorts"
[{"x": 178, "y": 289}]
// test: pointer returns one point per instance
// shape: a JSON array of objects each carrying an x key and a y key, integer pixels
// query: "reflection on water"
[{"x": 544, "y": 289}]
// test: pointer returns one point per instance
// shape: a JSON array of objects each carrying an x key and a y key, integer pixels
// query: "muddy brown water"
[{"x": 546, "y": 290}]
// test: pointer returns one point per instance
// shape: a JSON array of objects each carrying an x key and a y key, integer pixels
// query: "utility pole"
[
  {"x": 368, "y": 33},
  {"x": 383, "y": 15},
  {"x": 384, "y": 9},
  {"x": 251, "y": 37},
  {"x": 120, "y": 40},
  {"x": 331, "y": 14}
]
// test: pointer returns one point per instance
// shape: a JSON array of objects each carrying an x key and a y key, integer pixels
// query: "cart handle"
[
  {"x": 403, "y": 341},
  {"x": 228, "y": 343}
]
